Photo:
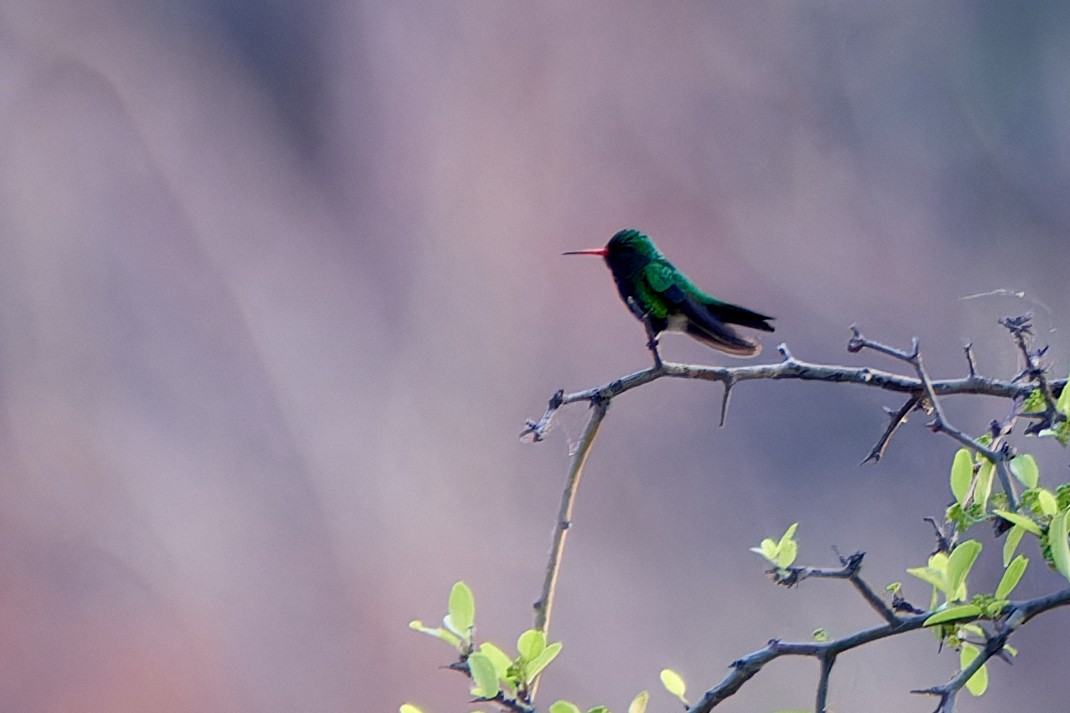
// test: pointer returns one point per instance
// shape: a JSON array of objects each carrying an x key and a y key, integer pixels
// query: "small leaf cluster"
[
  {"x": 503, "y": 679},
  {"x": 494, "y": 673},
  {"x": 953, "y": 620},
  {"x": 1060, "y": 429},
  {"x": 1043, "y": 514},
  {"x": 459, "y": 622},
  {"x": 780, "y": 553}
]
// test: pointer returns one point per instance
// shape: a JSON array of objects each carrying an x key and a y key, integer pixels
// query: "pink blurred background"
[{"x": 282, "y": 281}]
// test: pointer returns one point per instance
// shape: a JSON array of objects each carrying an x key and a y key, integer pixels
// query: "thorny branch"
[
  {"x": 1014, "y": 615},
  {"x": 792, "y": 368},
  {"x": 998, "y": 452},
  {"x": 923, "y": 393},
  {"x": 742, "y": 670},
  {"x": 851, "y": 566}
]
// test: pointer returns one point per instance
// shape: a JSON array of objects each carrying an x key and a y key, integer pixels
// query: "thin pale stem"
[{"x": 544, "y": 606}]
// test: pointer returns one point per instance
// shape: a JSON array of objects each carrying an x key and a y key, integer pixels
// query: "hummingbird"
[{"x": 664, "y": 299}]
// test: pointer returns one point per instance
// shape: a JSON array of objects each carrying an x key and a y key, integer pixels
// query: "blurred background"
[{"x": 280, "y": 282}]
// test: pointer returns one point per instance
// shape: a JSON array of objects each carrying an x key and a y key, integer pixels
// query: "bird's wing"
[
  {"x": 735, "y": 314},
  {"x": 704, "y": 325},
  {"x": 675, "y": 288},
  {"x": 655, "y": 289},
  {"x": 703, "y": 321}
]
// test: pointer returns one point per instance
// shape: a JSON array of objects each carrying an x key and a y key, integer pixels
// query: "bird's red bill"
[{"x": 601, "y": 252}]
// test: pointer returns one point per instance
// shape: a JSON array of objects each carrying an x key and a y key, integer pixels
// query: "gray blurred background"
[{"x": 280, "y": 282}]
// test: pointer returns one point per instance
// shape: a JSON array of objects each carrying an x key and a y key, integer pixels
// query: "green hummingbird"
[{"x": 664, "y": 299}]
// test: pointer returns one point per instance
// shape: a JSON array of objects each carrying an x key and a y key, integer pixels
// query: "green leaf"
[
  {"x": 499, "y": 658},
  {"x": 978, "y": 682},
  {"x": 1011, "y": 576},
  {"x": 787, "y": 548},
  {"x": 820, "y": 635},
  {"x": 787, "y": 553},
  {"x": 1021, "y": 520},
  {"x": 1061, "y": 432},
  {"x": 674, "y": 684},
  {"x": 484, "y": 676},
  {"x": 1047, "y": 502},
  {"x": 931, "y": 575},
  {"x": 408, "y": 708},
  {"x": 564, "y": 707},
  {"x": 1060, "y": 550},
  {"x": 536, "y": 665},
  {"x": 965, "y": 611},
  {"x": 1063, "y": 404},
  {"x": 959, "y": 563},
  {"x": 768, "y": 550},
  {"x": 1025, "y": 469},
  {"x": 983, "y": 489},
  {"x": 1034, "y": 402},
  {"x": 462, "y": 610},
  {"x": 639, "y": 703},
  {"x": 530, "y": 644},
  {"x": 439, "y": 633},
  {"x": 1011, "y": 543},
  {"x": 598, "y": 709},
  {"x": 961, "y": 474}
]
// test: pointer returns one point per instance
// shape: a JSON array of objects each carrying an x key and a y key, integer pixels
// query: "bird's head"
[{"x": 629, "y": 242}]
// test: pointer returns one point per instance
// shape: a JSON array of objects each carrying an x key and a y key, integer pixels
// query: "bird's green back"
[{"x": 658, "y": 278}]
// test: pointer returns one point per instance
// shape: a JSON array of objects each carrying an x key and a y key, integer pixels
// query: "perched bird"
[{"x": 664, "y": 299}]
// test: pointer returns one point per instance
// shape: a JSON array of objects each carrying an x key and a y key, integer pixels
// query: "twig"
[
  {"x": 828, "y": 659},
  {"x": 896, "y": 419},
  {"x": 970, "y": 361},
  {"x": 745, "y": 668},
  {"x": 509, "y": 704},
  {"x": 788, "y": 368},
  {"x": 940, "y": 423},
  {"x": 944, "y": 542},
  {"x": 1021, "y": 329},
  {"x": 544, "y": 605},
  {"x": 1014, "y": 615},
  {"x": 850, "y": 570}
]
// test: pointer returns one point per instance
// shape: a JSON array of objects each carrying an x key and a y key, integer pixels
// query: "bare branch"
[
  {"x": 827, "y": 661},
  {"x": 922, "y": 390},
  {"x": 940, "y": 423},
  {"x": 1014, "y": 615},
  {"x": 896, "y": 419},
  {"x": 788, "y": 368},
  {"x": 970, "y": 361},
  {"x": 851, "y": 570},
  {"x": 544, "y": 606},
  {"x": 1021, "y": 328}
]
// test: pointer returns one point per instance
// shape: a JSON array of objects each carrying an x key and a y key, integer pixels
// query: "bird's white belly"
[{"x": 677, "y": 323}]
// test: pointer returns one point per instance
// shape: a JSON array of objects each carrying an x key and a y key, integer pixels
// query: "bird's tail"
[{"x": 723, "y": 338}]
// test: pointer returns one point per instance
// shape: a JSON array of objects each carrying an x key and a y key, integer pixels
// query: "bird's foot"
[
  {"x": 652, "y": 339},
  {"x": 652, "y": 345}
]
